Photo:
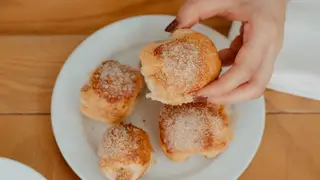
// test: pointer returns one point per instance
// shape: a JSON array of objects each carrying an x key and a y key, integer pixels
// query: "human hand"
[{"x": 252, "y": 53}]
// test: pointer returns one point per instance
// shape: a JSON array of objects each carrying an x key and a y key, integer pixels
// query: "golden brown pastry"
[
  {"x": 175, "y": 69},
  {"x": 124, "y": 153},
  {"x": 111, "y": 92},
  {"x": 193, "y": 128}
]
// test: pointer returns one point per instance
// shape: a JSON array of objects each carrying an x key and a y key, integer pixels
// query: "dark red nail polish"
[
  {"x": 172, "y": 26},
  {"x": 200, "y": 99}
]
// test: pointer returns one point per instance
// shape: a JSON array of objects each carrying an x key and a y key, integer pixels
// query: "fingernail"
[
  {"x": 172, "y": 26},
  {"x": 200, "y": 99}
]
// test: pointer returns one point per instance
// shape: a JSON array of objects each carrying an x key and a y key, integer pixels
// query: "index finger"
[
  {"x": 192, "y": 11},
  {"x": 246, "y": 63}
]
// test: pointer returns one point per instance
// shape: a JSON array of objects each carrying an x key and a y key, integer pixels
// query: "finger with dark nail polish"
[
  {"x": 172, "y": 26},
  {"x": 200, "y": 99}
]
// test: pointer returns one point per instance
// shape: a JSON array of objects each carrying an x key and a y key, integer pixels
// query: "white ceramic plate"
[
  {"x": 14, "y": 170},
  {"x": 78, "y": 137}
]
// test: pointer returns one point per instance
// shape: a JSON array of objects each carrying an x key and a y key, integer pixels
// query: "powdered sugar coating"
[
  {"x": 124, "y": 152},
  {"x": 114, "y": 81},
  {"x": 182, "y": 64},
  {"x": 192, "y": 126},
  {"x": 125, "y": 142}
]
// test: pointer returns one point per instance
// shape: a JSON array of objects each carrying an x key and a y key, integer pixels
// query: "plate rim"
[
  {"x": 24, "y": 166},
  {"x": 79, "y": 46}
]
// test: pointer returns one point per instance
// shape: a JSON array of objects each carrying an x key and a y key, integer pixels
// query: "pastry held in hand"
[
  {"x": 124, "y": 153},
  {"x": 194, "y": 128},
  {"x": 176, "y": 69},
  {"x": 111, "y": 92}
]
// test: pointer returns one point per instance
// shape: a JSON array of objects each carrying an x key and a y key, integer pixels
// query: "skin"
[{"x": 252, "y": 54}]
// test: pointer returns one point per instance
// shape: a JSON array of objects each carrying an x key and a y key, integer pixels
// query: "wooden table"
[{"x": 37, "y": 36}]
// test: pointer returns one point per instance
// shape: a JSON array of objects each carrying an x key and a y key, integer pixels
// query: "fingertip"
[
  {"x": 187, "y": 16},
  {"x": 224, "y": 53},
  {"x": 227, "y": 56},
  {"x": 198, "y": 99},
  {"x": 205, "y": 92},
  {"x": 222, "y": 100},
  {"x": 237, "y": 43},
  {"x": 191, "y": 12},
  {"x": 213, "y": 100},
  {"x": 201, "y": 95},
  {"x": 172, "y": 26},
  {"x": 218, "y": 101},
  {"x": 240, "y": 94}
]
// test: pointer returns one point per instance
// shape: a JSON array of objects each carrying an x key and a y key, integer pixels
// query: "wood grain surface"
[
  {"x": 289, "y": 150},
  {"x": 30, "y": 64},
  {"x": 34, "y": 146},
  {"x": 28, "y": 69},
  {"x": 81, "y": 16},
  {"x": 37, "y": 36}
]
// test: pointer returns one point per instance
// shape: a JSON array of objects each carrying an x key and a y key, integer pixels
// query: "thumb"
[{"x": 192, "y": 11}]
